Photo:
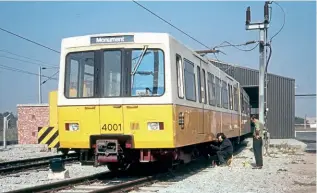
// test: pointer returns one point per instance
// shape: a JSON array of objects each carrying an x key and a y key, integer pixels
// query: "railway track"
[
  {"x": 111, "y": 182},
  {"x": 33, "y": 163}
]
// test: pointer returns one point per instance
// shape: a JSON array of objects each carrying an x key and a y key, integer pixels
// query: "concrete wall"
[{"x": 30, "y": 117}]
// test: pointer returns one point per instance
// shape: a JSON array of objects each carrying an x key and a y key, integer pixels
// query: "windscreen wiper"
[
  {"x": 140, "y": 60},
  {"x": 138, "y": 64}
]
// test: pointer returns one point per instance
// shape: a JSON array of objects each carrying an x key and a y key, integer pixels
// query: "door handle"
[
  {"x": 132, "y": 106},
  {"x": 116, "y": 106},
  {"x": 88, "y": 108}
]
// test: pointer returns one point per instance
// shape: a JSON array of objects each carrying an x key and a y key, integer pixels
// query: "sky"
[{"x": 294, "y": 48}]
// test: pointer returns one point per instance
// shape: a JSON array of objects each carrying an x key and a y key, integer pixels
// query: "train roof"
[
  {"x": 114, "y": 38},
  {"x": 129, "y": 37}
]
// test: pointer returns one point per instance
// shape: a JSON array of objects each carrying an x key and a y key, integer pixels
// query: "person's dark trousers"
[
  {"x": 257, "y": 149},
  {"x": 220, "y": 157}
]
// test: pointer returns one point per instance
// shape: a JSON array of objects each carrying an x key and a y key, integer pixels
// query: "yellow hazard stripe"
[{"x": 49, "y": 136}]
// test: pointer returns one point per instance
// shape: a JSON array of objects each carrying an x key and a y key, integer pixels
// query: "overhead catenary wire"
[
  {"x": 28, "y": 61},
  {"x": 169, "y": 23},
  {"x": 172, "y": 25},
  {"x": 35, "y": 60},
  {"x": 50, "y": 78},
  {"x": 29, "y": 40},
  {"x": 238, "y": 45},
  {"x": 22, "y": 71}
]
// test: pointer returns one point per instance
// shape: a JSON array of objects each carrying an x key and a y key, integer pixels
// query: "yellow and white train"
[{"x": 141, "y": 97}]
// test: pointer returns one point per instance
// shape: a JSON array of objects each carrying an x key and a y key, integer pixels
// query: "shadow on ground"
[{"x": 180, "y": 172}]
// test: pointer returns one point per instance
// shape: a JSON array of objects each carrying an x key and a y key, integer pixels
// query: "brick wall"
[{"x": 30, "y": 117}]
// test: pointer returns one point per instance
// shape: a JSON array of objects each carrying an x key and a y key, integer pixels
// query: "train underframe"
[{"x": 118, "y": 154}]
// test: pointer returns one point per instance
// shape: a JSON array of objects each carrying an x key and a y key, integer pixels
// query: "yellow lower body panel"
[
  {"x": 117, "y": 120},
  {"x": 134, "y": 120}
]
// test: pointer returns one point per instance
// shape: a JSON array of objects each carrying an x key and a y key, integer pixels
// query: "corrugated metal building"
[{"x": 281, "y": 98}]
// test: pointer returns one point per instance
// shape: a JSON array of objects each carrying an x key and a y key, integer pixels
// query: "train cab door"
[{"x": 111, "y": 81}]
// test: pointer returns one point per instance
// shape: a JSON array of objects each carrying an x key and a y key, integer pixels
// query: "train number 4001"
[{"x": 111, "y": 127}]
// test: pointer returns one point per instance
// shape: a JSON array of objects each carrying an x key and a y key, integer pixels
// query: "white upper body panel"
[
  {"x": 163, "y": 41},
  {"x": 83, "y": 43}
]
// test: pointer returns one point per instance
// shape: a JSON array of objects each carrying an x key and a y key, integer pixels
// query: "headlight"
[
  {"x": 72, "y": 127},
  {"x": 154, "y": 126}
]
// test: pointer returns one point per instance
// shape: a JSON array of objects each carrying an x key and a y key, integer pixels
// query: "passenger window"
[
  {"x": 180, "y": 76},
  {"x": 199, "y": 84},
  {"x": 230, "y": 97},
  {"x": 79, "y": 80},
  {"x": 242, "y": 103},
  {"x": 211, "y": 89},
  {"x": 224, "y": 95},
  {"x": 218, "y": 92},
  {"x": 236, "y": 99},
  {"x": 190, "y": 85},
  {"x": 204, "y": 92}
]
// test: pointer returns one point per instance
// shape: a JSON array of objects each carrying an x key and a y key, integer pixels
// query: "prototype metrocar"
[{"x": 142, "y": 97}]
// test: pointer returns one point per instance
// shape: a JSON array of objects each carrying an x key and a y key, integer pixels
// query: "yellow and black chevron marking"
[{"x": 49, "y": 136}]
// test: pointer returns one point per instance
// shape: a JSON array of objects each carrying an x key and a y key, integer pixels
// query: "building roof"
[
  {"x": 246, "y": 68},
  {"x": 33, "y": 105}
]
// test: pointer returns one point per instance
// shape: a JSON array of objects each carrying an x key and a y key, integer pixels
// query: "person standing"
[{"x": 258, "y": 142}]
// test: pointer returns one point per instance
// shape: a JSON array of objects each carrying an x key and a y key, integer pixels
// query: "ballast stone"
[{"x": 58, "y": 175}]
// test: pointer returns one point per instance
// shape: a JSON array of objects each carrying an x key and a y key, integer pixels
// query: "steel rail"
[
  {"x": 30, "y": 166},
  {"x": 124, "y": 186},
  {"x": 15, "y": 162},
  {"x": 63, "y": 183},
  {"x": 16, "y": 166}
]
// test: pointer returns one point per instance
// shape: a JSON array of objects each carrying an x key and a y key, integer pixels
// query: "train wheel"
[
  {"x": 64, "y": 151},
  {"x": 115, "y": 167}
]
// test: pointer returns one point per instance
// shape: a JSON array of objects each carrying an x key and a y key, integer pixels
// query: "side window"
[
  {"x": 242, "y": 103},
  {"x": 245, "y": 106},
  {"x": 190, "y": 85},
  {"x": 204, "y": 92},
  {"x": 230, "y": 97},
  {"x": 212, "y": 89},
  {"x": 180, "y": 76},
  {"x": 80, "y": 72},
  {"x": 224, "y": 95},
  {"x": 218, "y": 92},
  {"x": 199, "y": 84},
  {"x": 236, "y": 99}
]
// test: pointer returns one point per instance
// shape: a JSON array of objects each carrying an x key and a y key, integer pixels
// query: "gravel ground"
[
  {"x": 37, "y": 177},
  {"x": 18, "y": 152},
  {"x": 282, "y": 173}
]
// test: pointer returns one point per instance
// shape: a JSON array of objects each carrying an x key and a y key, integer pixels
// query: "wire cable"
[
  {"x": 26, "y": 61},
  {"x": 34, "y": 42},
  {"x": 50, "y": 78},
  {"x": 29, "y": 40},
  {"x": 21, "y": 71},
  {"x": 284, "y": 15},
  {"x": 172, "y": 25},
  {"x": 238, "y": 45},
  {"x": 8, "y": 52}
]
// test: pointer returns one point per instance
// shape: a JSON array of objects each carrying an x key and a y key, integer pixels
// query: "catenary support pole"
[
  {"x": 40, "y": 86},
  {"x": 261, "y": 75}
]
